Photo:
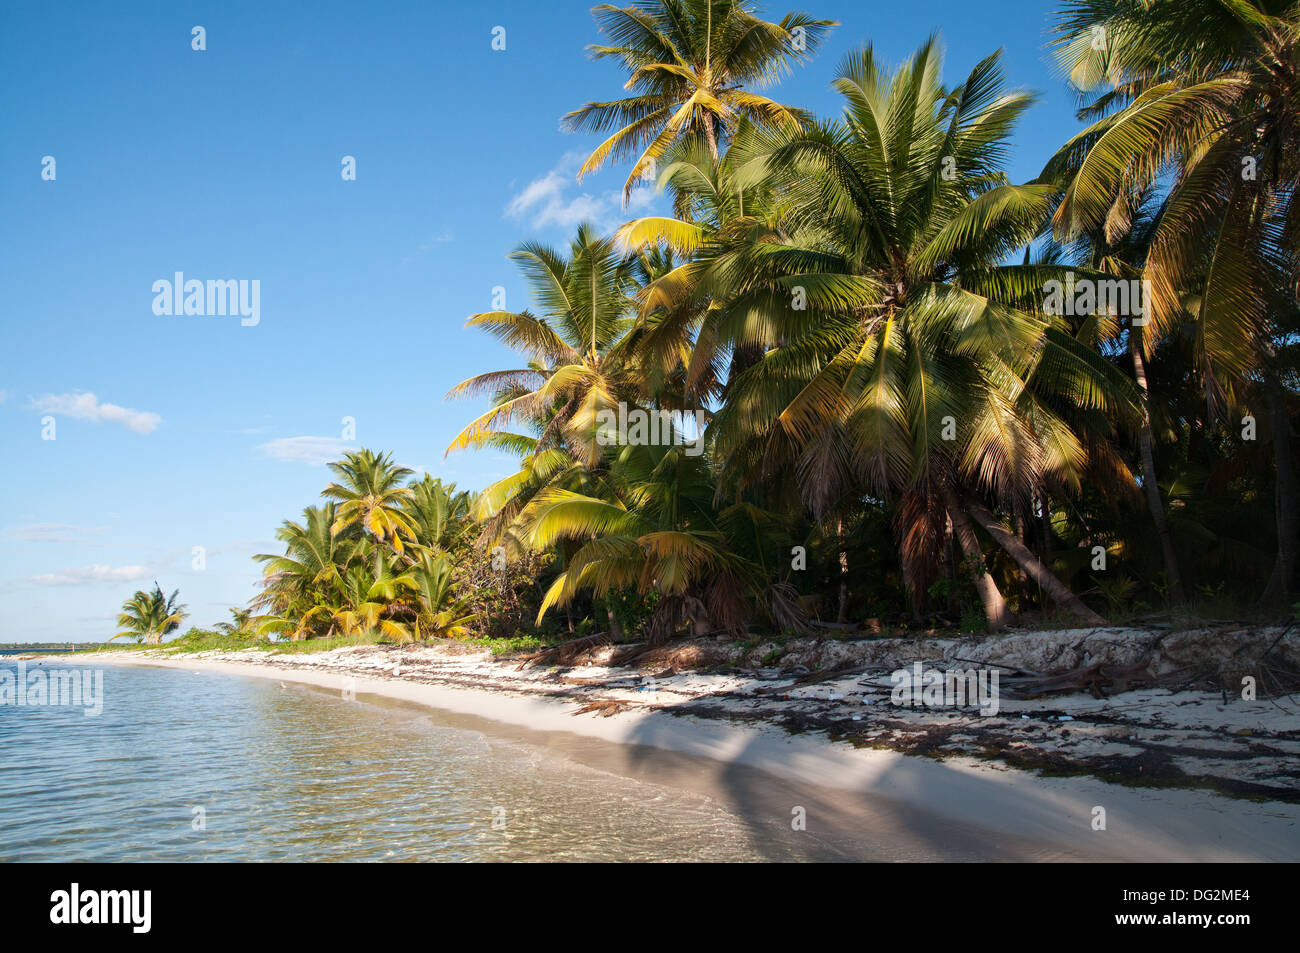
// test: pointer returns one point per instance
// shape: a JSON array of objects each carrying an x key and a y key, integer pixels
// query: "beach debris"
[
  {"x": 604, "y": 707},
  {"x": 565, "y": 652}
]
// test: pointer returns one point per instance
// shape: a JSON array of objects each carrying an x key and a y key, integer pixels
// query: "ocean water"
[{"x": 183, "y": 766}]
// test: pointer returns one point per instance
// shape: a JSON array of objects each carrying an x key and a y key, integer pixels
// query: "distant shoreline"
[{"x": 1011, "y": 814}]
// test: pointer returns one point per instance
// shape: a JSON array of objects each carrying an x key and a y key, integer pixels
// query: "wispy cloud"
[
  {"x": 4, "y": 395},
  {"x": 84, "y": 405},
  {"x": 555, "y": 199},
  {"x": 431, "y": 243},
  {"x": 314, "y": 450},
  {"x": 54, "y": 533},
  {"x": 84, "y": 575}
]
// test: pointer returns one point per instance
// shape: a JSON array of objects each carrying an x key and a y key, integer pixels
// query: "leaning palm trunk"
[
  {"x": 1031, "y": 564},
  {"x": 1150, "y": 485},
  {"x": 995, "y": 607}
]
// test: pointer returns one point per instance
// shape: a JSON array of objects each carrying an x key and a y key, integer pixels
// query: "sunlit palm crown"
[
  {"x": 689, "y": 62},
  {"x": 371, "y": 494},
  {"x": 148, "y": 616},
  {"x": 577, "y": 345}
]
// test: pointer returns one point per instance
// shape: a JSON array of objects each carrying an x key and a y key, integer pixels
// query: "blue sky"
[{"x": 226, "y": 163}]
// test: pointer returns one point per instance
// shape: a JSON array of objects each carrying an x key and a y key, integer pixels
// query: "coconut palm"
[
  {"x": 901, "y": 359},
  {"x": 148, "y": 616},
  {"x": 578, "y": 351},
  {"x": 655, "y": 532},
  {"x": 689, "y": 63},
  {"x": 372, "y": 495},
  {"x": 438, "y": 513},
  {"x": 241, "y": 621},
  {"x": 1206, "y": 93}
]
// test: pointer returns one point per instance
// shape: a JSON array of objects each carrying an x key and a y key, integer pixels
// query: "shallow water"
[{"x": 298, "y": 773}]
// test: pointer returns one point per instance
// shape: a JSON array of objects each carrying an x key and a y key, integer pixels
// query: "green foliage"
[{"x": 881, "y": 386}]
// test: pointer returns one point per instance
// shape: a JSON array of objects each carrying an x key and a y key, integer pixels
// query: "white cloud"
[
  {"x": 548, "y": 201},
  {"x": 313, "y": 450},
  {"x": 84, "y": 405},
  {"x": 84, "y": 575},
  {"x": 541, "y": 192},
  {"x": 54, "y": 533}
]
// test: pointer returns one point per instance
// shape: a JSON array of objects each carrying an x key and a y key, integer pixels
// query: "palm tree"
[
  {"x": 241, "y": 622},
  {"x": 655, "y": 531},
  {"x": 900, "y": 358},
  {"x": 689, "y": 62},
  {"x": 148, "y": 616},
  {"x": 579, "y": 359},
  {"x": 308, "y": 575},
  {"x": 1208, "y": 93},
  {"x": 372, "y": 496}
]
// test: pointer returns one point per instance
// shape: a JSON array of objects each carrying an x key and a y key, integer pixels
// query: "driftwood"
[
  {"x": 1010, "y": 668},
  {"x": 565, "y": 652},
  {"x": 1098, "y": 678},
  {"x": 842, "y": 670}
]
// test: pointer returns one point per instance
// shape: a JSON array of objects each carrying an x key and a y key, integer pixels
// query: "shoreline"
[{"x": 985, "y": 810}]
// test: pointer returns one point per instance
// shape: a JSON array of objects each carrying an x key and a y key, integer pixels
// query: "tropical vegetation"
[{"x": 874, "y": 409}]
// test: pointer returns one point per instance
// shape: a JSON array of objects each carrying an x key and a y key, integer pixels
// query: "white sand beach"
[{"x": 732, "y": 745}]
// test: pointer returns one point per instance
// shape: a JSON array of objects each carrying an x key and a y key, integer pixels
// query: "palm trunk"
[
  {"x": 1146, "y": 444},
  {"x": 1279, "y": 584},
  {"x": 995, "y": 607},
  {"x": 615, "y": 626},
  {"x": 711, "y": 135},
  {"x": 1031, "y": 564},
  {"x": 842, "y": 614}
]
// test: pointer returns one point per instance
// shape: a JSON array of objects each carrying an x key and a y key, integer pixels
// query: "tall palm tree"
[
  {"x": 372, "y": 495},
  {"x": 901, "y": 359},
  {"x": 148, "y": 616},
  {"x": 1207, "y": 92},
  {"x": 689, "y": 63}
]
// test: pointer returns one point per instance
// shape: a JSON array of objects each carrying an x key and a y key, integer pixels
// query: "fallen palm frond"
[{"x": 605, "y": 707}]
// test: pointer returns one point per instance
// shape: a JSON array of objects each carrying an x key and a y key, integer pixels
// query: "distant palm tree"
[
  {"x": 148, "y": 616},
  {"x": 241, "y": 621},
  {"x": 372, "y": 494},
  {"x": 689, "y": 63}
]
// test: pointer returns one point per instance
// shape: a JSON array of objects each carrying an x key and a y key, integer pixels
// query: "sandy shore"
[{"x": 715, "y": 734}]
